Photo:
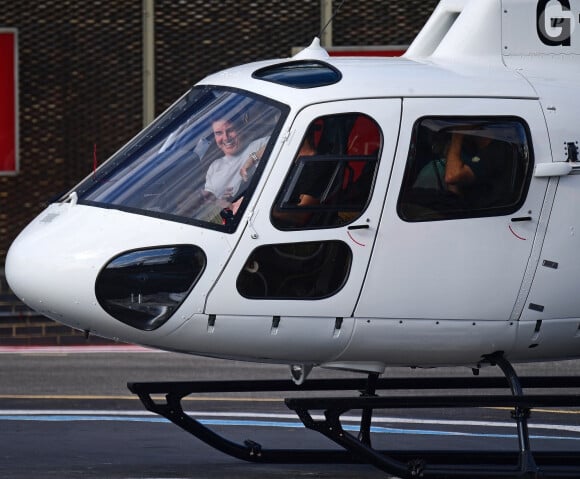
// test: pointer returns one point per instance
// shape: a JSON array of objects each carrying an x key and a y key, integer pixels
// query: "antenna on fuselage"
[{"x": 329, "y": 21}]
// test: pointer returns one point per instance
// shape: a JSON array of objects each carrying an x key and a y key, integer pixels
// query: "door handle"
[{"x": 358, "y": 227}]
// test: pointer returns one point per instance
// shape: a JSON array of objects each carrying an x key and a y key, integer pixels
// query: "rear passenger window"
[
  {"x": 465, "y": 167},
  {"x": 332, "y": 175}
]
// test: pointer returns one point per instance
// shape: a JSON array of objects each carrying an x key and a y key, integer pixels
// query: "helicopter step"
[{"x": 436, "y": 464}]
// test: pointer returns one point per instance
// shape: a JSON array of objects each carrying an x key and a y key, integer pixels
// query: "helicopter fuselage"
[{"x": 394, "y": 263}]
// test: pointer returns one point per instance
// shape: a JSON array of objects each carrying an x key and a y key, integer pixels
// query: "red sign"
[
  {"x": 385, "y": 51},
  {"x": 8, "y": 102}
]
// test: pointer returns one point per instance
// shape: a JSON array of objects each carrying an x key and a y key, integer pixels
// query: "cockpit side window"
[
  {"x": 465, "y": 167},
  {"x": 332, "y": 175}
]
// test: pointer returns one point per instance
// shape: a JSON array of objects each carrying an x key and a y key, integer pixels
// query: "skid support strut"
[
  {"x": 367, "y": 414},
  {"x": 434, "y": 464},
  {"x": 527, "y": 463}
]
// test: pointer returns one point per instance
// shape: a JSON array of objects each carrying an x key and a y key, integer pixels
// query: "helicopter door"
[
  {"x": 308, "y": 238},
  {"x": 455, "y": 248}
]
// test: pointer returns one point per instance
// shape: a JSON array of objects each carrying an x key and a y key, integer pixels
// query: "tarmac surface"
[{"x": 67, "y": 413}]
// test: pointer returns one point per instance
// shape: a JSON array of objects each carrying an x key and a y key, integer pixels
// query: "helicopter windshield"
[{"x": 197, "y": 163}]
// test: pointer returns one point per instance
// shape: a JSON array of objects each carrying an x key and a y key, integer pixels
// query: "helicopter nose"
[
  {"x": 36, "y": 273},
  {"x": 75, "y": 266},
  {"x": 52, "y": 265},
  {"x": 22, "y": 279}
]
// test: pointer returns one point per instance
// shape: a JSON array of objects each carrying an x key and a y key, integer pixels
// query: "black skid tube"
[{"x": 521, "y": 463}]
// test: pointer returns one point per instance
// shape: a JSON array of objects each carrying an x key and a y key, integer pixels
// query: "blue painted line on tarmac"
[{"x": 274, "y": 424}]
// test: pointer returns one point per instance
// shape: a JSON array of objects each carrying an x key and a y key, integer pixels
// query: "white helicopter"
[{"x": 343, "y": 213}]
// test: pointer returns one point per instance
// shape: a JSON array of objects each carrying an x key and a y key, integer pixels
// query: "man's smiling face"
[{"x": 226, "y": 136}]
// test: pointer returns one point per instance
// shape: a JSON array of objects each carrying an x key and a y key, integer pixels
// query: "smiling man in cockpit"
[{"x": 223, "y": 178}]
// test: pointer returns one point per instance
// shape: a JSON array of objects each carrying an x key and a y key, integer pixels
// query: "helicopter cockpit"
[{"x": 179, "y": 169}]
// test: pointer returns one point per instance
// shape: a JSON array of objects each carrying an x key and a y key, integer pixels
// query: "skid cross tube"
[{"x": 406, "y": 464}]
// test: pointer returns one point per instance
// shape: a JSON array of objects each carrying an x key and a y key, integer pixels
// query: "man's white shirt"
[{"x": 224, "y": 172}]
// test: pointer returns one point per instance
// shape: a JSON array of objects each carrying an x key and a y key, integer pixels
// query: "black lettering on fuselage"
[{"x": 554, "y": 25}]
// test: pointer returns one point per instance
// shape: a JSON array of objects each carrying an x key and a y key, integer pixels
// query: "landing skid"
[{"x": 521, "y": 463}]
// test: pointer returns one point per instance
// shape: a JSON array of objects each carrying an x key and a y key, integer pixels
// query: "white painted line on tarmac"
[
  {"x": 276, "y": 424},
  {"x": 68, "y": 414},
  {"x": 113, "y": 348}
]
